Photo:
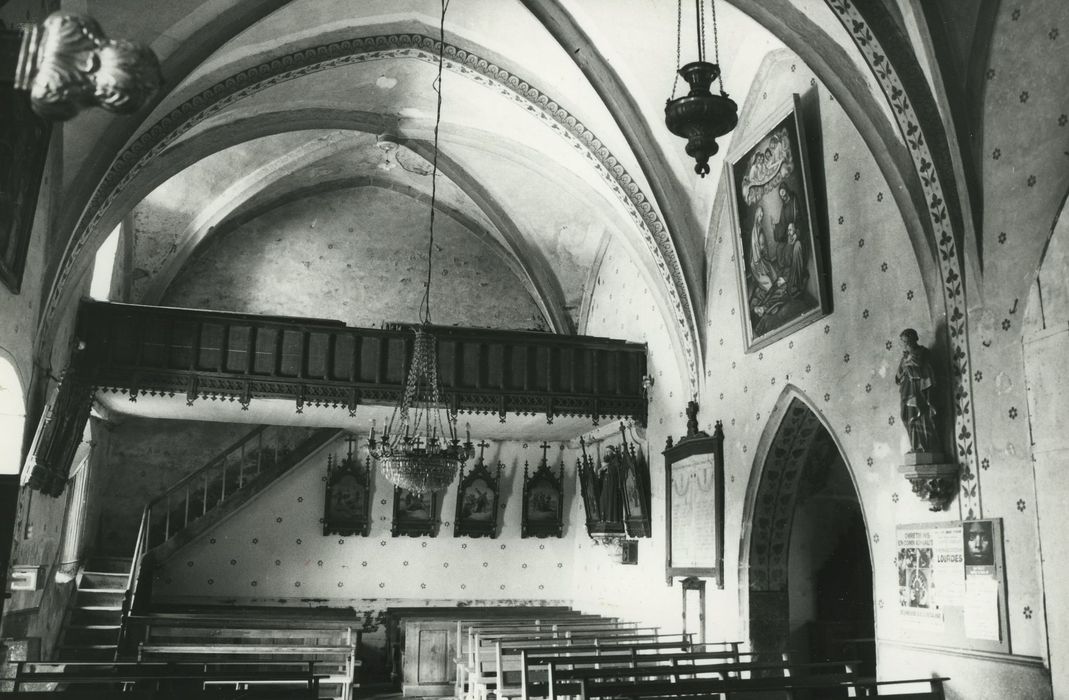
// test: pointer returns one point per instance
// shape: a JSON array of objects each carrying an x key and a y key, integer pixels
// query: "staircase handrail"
[
  {"x": 130, "y": 596},
  {"x": 214, "y": 461},
  {"x": 140, "y": 547}
]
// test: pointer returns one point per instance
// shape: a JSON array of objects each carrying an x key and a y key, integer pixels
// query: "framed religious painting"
[
  {"x": 414, "y": 514},
  {"x": 543, "y": 502},
  {"x": 348, "y": 502},
  {"x": 477, "y": 500},
  {"x": 635, "y": 473},
  {"x": 780, "y": 248},
  {"x": 694, "y": 501}
]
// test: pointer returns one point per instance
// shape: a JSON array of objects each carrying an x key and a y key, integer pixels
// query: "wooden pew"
[
  {"x": 333, "y": 652},
  {"x": 538, "y": 668},
  {"x": 785, "y": 681},
  {"x": 170, "y": 679},
  {"x": 470, "y": 632},
  {"x": 326, "y": 637},
  {"x": 416, "y": 654},
  {"x": 502, "y": 672},
  {"x": 869, "y": 688},
  {"x": 824, "y": 685}
]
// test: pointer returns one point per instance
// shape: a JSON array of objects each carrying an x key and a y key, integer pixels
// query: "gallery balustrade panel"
[{"x": 140, "y": 349}]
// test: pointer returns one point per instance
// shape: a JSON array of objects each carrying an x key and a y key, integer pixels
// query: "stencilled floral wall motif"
[{"x": 274, "y": 550}]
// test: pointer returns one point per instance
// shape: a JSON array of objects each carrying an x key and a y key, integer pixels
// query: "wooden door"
[{"x": 429, "y": 664}]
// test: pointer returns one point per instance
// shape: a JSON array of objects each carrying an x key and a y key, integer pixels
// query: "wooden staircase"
[
  {"x": 204, "y": 498},
  {"x": 108, "y": 588},
  {"x": 92, "y": 630}
]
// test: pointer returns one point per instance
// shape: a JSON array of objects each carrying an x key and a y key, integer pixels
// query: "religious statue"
[
  {"x": 68, "y": 64},
  {"x": 915, "y": 379}
]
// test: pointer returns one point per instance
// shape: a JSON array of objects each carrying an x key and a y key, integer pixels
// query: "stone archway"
[
  {"x": 803, "y": 523},
  {"x": 12, "y": 416}
]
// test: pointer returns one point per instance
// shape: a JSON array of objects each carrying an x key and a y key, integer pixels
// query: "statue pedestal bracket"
[{"x": 933, "y": 478}]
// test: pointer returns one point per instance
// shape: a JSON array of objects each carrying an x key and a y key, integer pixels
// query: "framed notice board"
[
  {"x": 952, "y": 584},
  {"x": 694, "y": 496}
]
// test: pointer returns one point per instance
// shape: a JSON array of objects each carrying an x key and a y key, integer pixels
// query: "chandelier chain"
[
  {"x": 716, "y": 47},
  {"x": 679, "y": 34},
  {"x": 419, "y": 448},
  {"x": 700, "y": 7},
  {"x": 425, "y": 304}
]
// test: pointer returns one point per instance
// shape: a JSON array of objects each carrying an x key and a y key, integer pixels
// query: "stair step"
[
  {"x": 81, "y": 616},
  {"x": 104, "y": 580},
  {"x": 105, "y": 565},
  {"x": 92, "y": 600}
]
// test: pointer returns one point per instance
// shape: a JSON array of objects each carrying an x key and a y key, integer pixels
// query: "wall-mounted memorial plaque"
[{"x": 694, "y": 501}]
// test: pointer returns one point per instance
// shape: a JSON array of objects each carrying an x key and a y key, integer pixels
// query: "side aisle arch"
[
  {"x": 12, "y": 415},
  {"x": 794, "y": 437}
]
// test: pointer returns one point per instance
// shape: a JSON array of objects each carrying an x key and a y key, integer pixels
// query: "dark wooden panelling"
[{"x": 207, "y": 353}]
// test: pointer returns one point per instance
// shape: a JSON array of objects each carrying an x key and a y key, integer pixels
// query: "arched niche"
[
  {"x": 802, "y": 521},
  {"x": 12, "y": 416}
]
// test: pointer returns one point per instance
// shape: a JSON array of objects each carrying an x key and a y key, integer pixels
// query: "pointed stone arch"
[
  {"x": 795, "y": 435},
  {"x": 12, "y": 414}
]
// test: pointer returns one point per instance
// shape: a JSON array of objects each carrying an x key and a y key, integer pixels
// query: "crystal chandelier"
[
  {"x": 419, "y": 449},
  {"x": 700, "y": 116}
]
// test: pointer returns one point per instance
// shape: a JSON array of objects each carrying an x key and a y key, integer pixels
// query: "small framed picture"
[
  {"x": 348, "y": 502},
  {"x": 477, "y": 501},
  {"x": 543, "y": 502},
  {"x": 779, "y": 246},
  {"x": 414, "y": 514}
]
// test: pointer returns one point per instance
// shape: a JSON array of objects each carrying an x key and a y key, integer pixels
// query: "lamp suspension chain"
[
  {"x": 716, "y": 47},
  {"x": 425, "y": 305},
  {"x": 699, "y": 17},
  {"x": 679, "y": 35}
]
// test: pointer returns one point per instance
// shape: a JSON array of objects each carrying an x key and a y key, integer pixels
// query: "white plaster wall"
[
  {"x": 273, "y": 551},
  {"x": 359, "y": 256},
  {"x": 623, "y": 306}
]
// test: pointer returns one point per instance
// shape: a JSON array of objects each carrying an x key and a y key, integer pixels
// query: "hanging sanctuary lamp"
[
  {"x": 700, "y": 116},
  {"x": 419, "y": 449}
]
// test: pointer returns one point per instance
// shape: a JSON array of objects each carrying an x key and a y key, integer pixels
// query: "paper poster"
[
  {"x": 981, "y": 609},
  {"x": 950, "y": 584},
  {"x": 948, "y": 567},
  {"x": 916, "y": 584}
]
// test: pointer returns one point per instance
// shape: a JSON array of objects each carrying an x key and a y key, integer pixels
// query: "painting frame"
[
  {"x": 636, "y": 491},
  {"x": 347, "y": 506},
  {"x": 704, "y": 452},
  {"x": 590, "y": 489},
  {"x": 782, "y": 276},
  {"x": 477, "y": 514},
  {"x": 412, "y": 520},
  {"x": 26, "y": 142},
  {"x": 543, "y": 502}
]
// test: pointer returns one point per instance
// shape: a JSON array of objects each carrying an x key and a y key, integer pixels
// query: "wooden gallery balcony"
[{"x": 148, "y": 350}]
